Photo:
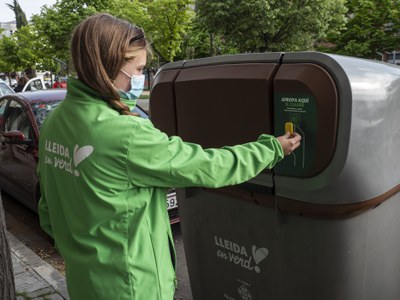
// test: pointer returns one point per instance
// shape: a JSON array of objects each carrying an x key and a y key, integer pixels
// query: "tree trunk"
[
  {"x": 212, "y": 48},
  {"x": 7, "y": 284}
]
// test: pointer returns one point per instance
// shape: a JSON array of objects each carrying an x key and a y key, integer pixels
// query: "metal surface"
[
  {"x": 329, "y": 233},
  {"x": 235, "y": 246},
  {"x": 365, "y": 163}
]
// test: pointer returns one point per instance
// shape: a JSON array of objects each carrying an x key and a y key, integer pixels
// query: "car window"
[
  {"x": 41, "y": 110},
  {"x": 34, "y": 85},
  {"x": 5, "y": 89},
  {"x": 15, "y": 118}
]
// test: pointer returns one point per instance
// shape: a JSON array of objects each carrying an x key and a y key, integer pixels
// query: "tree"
[
  {"x": 21, "y": 51},
  {"x": 373, "y": 26},
  {"x": 7, "y": 284},
  {"x": 170, "y": 21},
  {"x": 20, "y": 16},
  {"x": 29, "y": 49},
  {"x": 134, "y": 12},
  {"x": 9, "y": 60},
  {"x": 271, "y": 25},
  {"x": 56, "y": 23},
  {"x": 164, "y": 21},
  {"x": 199, "y": 43}
]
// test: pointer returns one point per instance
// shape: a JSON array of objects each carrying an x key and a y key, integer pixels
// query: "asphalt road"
[
  {"x": 144, "y": 104},
  {"x": 24, "y": 224}
]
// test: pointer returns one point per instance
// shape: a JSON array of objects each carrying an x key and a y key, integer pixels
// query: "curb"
[{"x": 35, "y": 278}]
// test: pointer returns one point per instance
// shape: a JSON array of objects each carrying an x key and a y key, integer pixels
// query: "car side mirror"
[{"x": 15, "y": 137}]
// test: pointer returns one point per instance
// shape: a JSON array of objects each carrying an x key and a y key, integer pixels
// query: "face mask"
[{"x": 137, "y": 85}]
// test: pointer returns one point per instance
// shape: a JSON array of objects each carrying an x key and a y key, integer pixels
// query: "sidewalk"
[{"x": 34, "y": 278}]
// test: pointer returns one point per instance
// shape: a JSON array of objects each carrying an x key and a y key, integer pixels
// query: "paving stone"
[
  {"x": 29, "y": 283},
  {"x": 34, "y": 278},
  {"x": 42, "y": 293},
  {"x": 55, "y": 297}
]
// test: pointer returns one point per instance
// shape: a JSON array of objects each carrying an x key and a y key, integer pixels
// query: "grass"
[{"x": 144, "y": 97}]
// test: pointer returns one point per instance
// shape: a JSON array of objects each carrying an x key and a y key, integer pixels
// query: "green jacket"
[{"x": 104, "y": 178}]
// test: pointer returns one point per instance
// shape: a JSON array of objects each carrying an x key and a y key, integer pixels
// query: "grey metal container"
[{"x": 323, "y": 224}]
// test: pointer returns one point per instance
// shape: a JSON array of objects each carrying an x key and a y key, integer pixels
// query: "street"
[
  {"x": 24, "y": 224},
  {"x": 144, "y": 104}
]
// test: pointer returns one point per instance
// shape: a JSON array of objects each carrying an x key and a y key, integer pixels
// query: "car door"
[
  {"x": 17, "y": 161},
  {"x": 34, "y": 84},
  {"x": 4, "y": 149}
]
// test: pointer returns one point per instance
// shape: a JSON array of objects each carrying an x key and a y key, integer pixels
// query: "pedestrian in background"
[
  {"x": 22, "y": 81},
  {"x": 57, "y": 84},
  {"x": 104, "y": 172},
  {"x": 63, "y": 82},
  {"x": 14, "y": 79}
]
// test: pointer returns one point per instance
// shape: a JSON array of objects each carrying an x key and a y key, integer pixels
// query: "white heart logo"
[
  {"x": 80, "y": 154},
  {"x": 259, "y": 254}
]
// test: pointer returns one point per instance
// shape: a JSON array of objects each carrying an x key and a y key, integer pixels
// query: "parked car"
[
  {"x": 33, "y": 84},
  {"x": 5, "y": 89},
  {"x": 21, "y": 116}
]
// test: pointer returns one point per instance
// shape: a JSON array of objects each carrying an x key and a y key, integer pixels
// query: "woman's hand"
[{"x": 289, "y": 142}]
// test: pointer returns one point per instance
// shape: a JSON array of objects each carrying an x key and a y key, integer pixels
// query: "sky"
[{"x": 30, "y": 7}]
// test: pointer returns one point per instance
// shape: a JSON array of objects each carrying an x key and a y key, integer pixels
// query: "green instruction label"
[{"x": 301, "y": 111}]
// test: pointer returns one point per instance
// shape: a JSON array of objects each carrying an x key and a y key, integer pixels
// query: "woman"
[
  {"x": 22, "y": 81},
  {"x": 104, "y": 172}
]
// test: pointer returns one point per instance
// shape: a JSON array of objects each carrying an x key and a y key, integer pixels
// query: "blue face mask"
[{"x": 137, "y": 85}]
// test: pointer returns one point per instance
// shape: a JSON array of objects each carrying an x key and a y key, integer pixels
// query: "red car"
[{"x": 21, "y": 116}]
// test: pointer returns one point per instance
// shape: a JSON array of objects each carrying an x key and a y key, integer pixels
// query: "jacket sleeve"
[
  {"x": 154, "y": 159},
  {"x": 44, "y": 216}
]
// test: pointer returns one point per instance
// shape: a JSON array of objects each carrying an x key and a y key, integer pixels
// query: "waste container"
[{"x": 325, "y": 222}]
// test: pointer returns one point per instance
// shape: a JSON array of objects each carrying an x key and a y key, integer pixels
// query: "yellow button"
[{"x": 289, "y": 127}]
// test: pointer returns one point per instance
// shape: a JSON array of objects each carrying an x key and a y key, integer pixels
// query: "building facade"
[{"x": 8, "y": 28}]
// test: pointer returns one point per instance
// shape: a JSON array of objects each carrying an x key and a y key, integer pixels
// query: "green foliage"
[
  {"x": 164, "y": 21},
  {"x": 55, "y": 25},
  {"x": 28, "y": 50},
  {"x": 8, "y": 52},
  {"x": 133, "y": 11},
  {"x": 169, "y": 23},
  {"x": 373, "y": 26},
  {"x": 195, "y": 44},
  {"x": 20, "y": 17},
  {"x": 271, "y": 25},
  {"x": 21, "y": 51},
  {"x": 178, "y": 31},
  {"x": 199, "y": 43}
]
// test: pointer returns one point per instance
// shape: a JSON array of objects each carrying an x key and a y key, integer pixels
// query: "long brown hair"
[{"x": 100, "y": 46}]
